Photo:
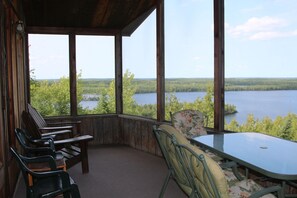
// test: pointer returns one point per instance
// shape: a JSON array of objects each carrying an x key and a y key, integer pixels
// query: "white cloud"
[
  {"x": 256, "y": 24},
  {"x": 271, "y": 35},
  {"x": 260, "y": 28}
]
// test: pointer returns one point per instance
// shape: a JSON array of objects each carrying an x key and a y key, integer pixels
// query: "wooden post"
[
  {"x": 160, "y": 62},
  {"x": 118, "y": 73},
  {"x": 219, "y": 65},
  {"x": 72, "y": 72}
]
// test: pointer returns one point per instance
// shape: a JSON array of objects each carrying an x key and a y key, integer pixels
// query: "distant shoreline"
[{"x": 94, "y": 86}]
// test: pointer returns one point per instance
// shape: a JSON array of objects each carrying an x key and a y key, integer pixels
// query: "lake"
[{"x": 259, "y": 103}]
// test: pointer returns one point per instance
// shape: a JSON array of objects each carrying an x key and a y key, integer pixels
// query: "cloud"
[
  {"x": 260, "y": 29},
  {"x": 271, "y": 35}
]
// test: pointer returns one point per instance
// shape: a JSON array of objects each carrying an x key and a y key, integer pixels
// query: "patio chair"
[
  {"x": 74, "y": 149},
  {"x": 44, "y": 127},
  {"x": 36, "y": 148},
  {"x": 46, "y": 183},
  {"x": 189, "y": 122},
  {"x": 175, "y": 169},
  {"x": 36, "y": 133},
  {"x": 211, "y": 181}
]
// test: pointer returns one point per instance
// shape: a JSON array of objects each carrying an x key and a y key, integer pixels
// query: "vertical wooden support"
[
  {"x": 72, "y": 72},
  {"x": 119, "y": 73},
  {"x": 160, "y": 62},
  {"x": 27, "y": 72},
  {"x": 219, "y": 65}
]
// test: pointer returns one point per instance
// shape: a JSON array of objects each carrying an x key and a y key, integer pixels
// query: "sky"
[{"x": 260, "y": 41}]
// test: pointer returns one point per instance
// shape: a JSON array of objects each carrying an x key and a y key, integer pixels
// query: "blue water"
[{"x": 258, "y": 103}]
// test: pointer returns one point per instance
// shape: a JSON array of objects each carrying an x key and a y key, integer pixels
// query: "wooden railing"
[{"x": 133, "y": 131}]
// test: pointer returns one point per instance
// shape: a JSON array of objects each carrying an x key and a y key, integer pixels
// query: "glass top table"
[{"x": 268, "y": 155}]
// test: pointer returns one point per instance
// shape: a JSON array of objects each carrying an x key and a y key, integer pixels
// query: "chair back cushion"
[
  {"x": 165, "y": 138},
  {"x": 208, "y": 176},
  {"x": 189, "y": 122}
]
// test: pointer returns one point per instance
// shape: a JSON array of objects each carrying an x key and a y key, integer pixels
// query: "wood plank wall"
[
  {"x": 12, "y": 87},
  {"x": 132, "y": 131}
]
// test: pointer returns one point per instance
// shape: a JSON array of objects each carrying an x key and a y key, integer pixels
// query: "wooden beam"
[
  {"x": 119, "y": 73},
  {"x": 131, "y": 27},
  {"x": 65, "y": 30},
  {"x": 72, "y": 73},
  {"x": 160, "y": 62},
  {"x": 219, "y": 65}
]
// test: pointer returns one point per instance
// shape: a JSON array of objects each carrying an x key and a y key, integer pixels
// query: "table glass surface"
[{"x": 269, "y": 155}]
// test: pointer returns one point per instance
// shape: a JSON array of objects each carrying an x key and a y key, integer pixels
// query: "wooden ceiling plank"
[{"x": 99, "y": 15}]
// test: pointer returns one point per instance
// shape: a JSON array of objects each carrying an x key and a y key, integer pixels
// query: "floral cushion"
[
  {"x": 245, "y": 188},
  {"x": 189, "y": 122}
]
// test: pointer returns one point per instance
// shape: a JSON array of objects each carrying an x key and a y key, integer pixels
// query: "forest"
[
  {"x": 94, "y": 86},
  {"x": 52, "y": 97}
]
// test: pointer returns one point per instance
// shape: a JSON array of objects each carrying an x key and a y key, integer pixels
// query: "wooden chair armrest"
[
  {"x": 83, "y": 138},
  {"x": 54, "y": 133},
  {"x": 56, "y": 128},
  {"x": 64, "y": 123}
]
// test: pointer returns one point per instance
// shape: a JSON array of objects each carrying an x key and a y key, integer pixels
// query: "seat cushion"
[{"x": 245, "y": 188}]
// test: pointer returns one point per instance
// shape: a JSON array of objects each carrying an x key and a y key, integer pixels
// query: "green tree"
[{"x": 51, "y": 99}]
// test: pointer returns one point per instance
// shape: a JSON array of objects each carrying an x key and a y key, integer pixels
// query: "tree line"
[{"x": 94, "y": 86}]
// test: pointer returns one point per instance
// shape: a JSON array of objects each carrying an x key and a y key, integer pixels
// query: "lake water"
[{"x": 258, "y": 103}]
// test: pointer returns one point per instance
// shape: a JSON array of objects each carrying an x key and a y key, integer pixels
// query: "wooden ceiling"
[{"x": 110, "y": 15}]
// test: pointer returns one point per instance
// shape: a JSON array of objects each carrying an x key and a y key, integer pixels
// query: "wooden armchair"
[
  {"x": 46, "y": 183},
  {"x": 74, "y": 149},
  {"x": 44, "y": 127}
]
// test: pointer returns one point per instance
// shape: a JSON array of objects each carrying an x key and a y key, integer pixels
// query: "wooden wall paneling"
[
  {"x": 131, "y": 129},
  {"x": 88, "y": 127},
  {"x": 109, "y": 126},
  {"x": 98, "y": 131},
  {"x": 144, "y": 128},
  {"x": 119, "y": 129},
  {"x": 125, "y": 130},
  {"x": 3, "y": 124},
  {"x": 153, "y": 144},
  {"x": 9, "y": 84},
  {"x": 117, "y": 132},
  {"x": 138, "y": 135},
  {"x": 21, "y": 78}
]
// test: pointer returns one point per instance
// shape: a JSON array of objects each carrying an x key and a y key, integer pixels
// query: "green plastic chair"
[
  {"x": 46, "y": 183},
  {"x": 37, "y": 147}
]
